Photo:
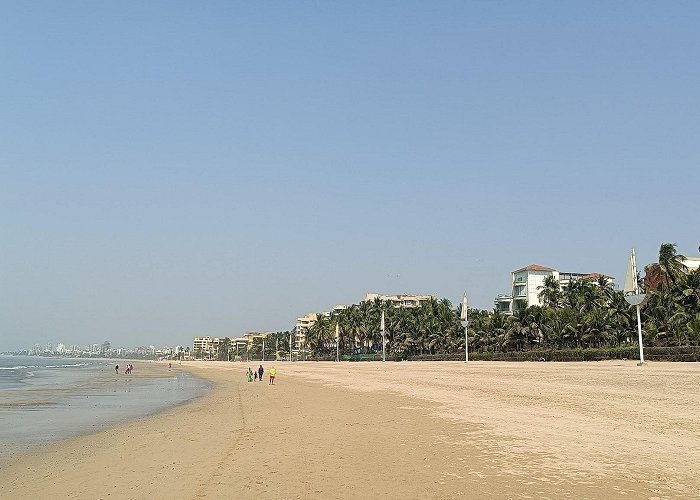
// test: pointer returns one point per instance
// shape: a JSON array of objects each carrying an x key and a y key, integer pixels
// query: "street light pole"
[
  {"x": 290, "y": 345},
  {"x": 639, "y": 332},
  {"x": 634, "y": 298},
  {"x": 465, "y": 323}
]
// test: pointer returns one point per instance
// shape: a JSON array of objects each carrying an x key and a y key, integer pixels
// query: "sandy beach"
[{"x": 395, "y": 430}]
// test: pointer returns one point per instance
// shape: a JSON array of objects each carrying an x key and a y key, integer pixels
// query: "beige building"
[
  {"x": 303, "y": 324},
  {"x": 205, "y": 347},
  {"x": 245, "y": 343},
  {"x": 306, "y": 322},
  {"x": 692, "y": 263},
  {"x": 336, "y": 310},
  {"x": 400, "y": 300}
]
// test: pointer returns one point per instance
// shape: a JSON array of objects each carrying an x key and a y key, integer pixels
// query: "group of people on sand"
[
  {"x": 128, "y": 370},
  {"x": 258, "y": 375}
]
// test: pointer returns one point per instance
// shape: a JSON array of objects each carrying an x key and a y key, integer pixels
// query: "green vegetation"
[{"x": 589, "y": 316}]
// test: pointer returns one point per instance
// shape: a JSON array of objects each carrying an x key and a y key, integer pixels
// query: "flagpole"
[
  {"x": 383, "y": 339},
  {"x": 465, "y": 323}
]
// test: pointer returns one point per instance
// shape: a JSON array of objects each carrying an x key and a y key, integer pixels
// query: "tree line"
[
  {"x": 585, "y": 314},
  {"x": 588, "y": 313}
]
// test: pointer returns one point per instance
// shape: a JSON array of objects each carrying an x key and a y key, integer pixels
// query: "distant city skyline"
[
  {"x": 104, "y": 349},
  {"x": 170, "y": 170}
]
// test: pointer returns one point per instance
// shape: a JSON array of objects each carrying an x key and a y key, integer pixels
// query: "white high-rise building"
[{"x": 528, "y": 282}]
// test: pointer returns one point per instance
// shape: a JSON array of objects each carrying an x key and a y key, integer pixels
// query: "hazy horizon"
[{"x": 169, "y": 169}]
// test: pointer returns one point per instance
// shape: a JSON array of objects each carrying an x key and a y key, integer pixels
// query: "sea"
[{"x": 43, "y": 400}]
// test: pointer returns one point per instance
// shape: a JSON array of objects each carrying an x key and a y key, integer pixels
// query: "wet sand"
[
  {"x": 395, "y": 430},
  {"x": 55, "y": 404}
]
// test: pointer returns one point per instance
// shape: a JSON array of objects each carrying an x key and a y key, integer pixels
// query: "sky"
[{"x": 173, "y": 169}]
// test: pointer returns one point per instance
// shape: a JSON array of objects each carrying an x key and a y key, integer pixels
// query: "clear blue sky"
[{"x": 172, "y": 169}]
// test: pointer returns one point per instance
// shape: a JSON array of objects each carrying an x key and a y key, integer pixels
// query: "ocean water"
[{"x": 43, "y": 400}]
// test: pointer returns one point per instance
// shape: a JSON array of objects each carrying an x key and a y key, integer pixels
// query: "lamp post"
[
  {"x": 465, "y": 322},
  {"x": 263, "y": 352},
  {"x": 290, "y": 345},
  {"x": 337, "y": 343},
  {"x": 634, "y": 298}
]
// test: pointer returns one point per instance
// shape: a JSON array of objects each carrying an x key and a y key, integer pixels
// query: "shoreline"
[
  {"x": 66, "y": 405},
  {"x": 439, "y": 429}
]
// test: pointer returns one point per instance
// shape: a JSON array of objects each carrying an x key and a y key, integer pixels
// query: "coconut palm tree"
[
  {"x": 222, "y": 350},
  {"x": 670, "y": 264},
  {"x": 550, "y": 292}
]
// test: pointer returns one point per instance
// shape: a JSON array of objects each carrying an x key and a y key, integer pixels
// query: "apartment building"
[
  {"x": 400, "y": 300},
  {"x": 303, "y": 324},
  {"x": 205, "y": 347},
  {"x": 528, "y": 282}
]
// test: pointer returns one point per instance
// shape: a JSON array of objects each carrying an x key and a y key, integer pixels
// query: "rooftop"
[
  {"x": 595, "y": 276},
  {"x": 535, "y": 267}
]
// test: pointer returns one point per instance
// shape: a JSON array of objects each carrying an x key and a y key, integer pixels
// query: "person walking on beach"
[
  {"x": 273, "y": 372},
  {"x": 116, "y": 369},
  {"x": 250, "y": 375},
  {"x": 260, "y": 373}
]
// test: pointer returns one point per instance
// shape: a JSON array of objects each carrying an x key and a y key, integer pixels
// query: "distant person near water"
[
  {"x": 260, "y": 373},
  {"x": 273, "y": 372},
  {"x": 116, "y": 369}
]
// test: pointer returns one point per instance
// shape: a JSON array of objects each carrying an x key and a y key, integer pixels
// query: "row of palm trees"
[
  {"x": 585, "y": 314},
  {"x": 672, "y": 309}
]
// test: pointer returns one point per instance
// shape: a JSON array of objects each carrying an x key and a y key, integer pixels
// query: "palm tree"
[
  {"x": 694, "y": 330},
  {"x": 550, "y": 292},
  {"x": 670, "y": 264},
  {"x": 619, "y": 316},
  {"x": 222, "y": 350},
  {"x": 689, "y": 291},
  {"x": 587, "y": 313}
]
